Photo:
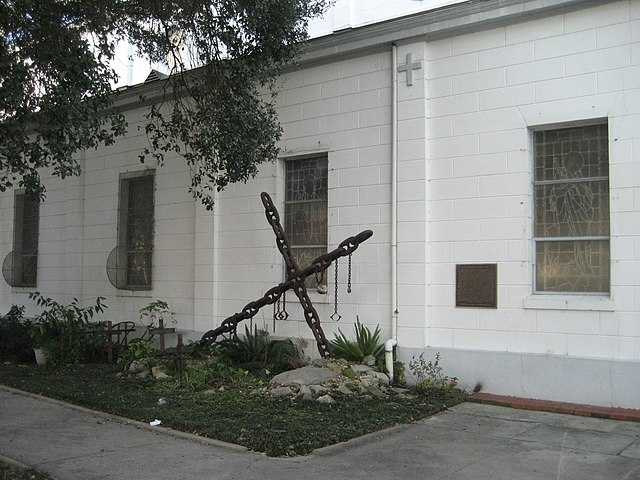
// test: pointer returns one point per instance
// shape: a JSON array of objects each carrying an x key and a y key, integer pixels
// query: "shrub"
[
  {"x": 199, "y": 376},
  {"x": 429, "y": 374},
  {"x": 66, "y": 332},
  {"x": 155, "y": 311},
  {"x": 366, "y": 344},
  {"x": 15, "y": 336},
  {"x": 256, "y": 351},
  {"x": 140, "y": 350}
]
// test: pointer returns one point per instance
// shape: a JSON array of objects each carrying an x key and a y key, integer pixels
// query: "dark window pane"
[
  {"x": 570, "y": 203},
  {"x": 304, "y": 257},
  {"x": 305, "y": 217},
  {"x": 26, "y": 233},
  {"x": 580, "y": 152},
  {"x": 306, "y": 179},
  {"x": 572, "y": 209},
  {"x": 136, "y": 230},
  {"x": 306, "y": 223},
  {"x": 139, "y": 269},
  {"x": 573, "y": 266}
]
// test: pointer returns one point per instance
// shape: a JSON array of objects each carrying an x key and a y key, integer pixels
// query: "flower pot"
[{"x": 41, "y": 356}]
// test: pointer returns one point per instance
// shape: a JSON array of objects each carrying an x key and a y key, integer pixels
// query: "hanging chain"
[
  {"x": 349, "y": 276},
  {"x": 335, "y": 316},
  {"x": 283, "y": 313}
]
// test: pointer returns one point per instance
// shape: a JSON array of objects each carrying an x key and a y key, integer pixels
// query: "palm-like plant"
[
  {"x": 366, "y": 344},
  {"x": 257, "y": 350}
]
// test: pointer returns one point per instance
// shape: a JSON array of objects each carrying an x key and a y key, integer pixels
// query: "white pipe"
[
  {"x": 388, "y": 355},
  {"x": 393, "y": 341}
]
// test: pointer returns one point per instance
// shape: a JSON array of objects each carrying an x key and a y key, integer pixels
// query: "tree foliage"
[{"x": 216, "y": 110}]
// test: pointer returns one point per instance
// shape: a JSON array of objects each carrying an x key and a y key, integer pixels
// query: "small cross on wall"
[{"x": 409, "y": 67}]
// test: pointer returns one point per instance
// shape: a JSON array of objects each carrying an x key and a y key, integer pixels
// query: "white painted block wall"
[
  {"x": 485, "y": 91},
  {"x": 78, "y": 229},
  {"x": 342, "y": 109},
  {"x": 464, "y": 194}
]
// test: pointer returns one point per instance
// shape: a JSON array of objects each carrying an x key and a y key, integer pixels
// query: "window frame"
[
  {"x": 18, "y": 224},
  {"x": 533, "y": 183},
  {"x": 122, "y": 226},
  {"x": 283, "y": 186}
]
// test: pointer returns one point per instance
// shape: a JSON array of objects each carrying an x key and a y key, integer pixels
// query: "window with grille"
[
  {"x": 25, "y": 240},
  {"x": 305, "y": 210},
  {"x": 135, "y": 230},
  {"x": 571, "y": 224}
]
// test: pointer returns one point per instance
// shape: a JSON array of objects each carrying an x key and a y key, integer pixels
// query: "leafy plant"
[
  {"x": 199, "y": 376},
  {"x": 430, "y": 375},
  {"x": 152, "y": 313},
  {"x": 399, "y": 373},
  {"x": 66, "y": 332},
  {"x": 366, "y": 344},
  {"x": 255, "y": 350},
  {"x": 15, "y": 337},
  {"x": 140, "y": 350}
]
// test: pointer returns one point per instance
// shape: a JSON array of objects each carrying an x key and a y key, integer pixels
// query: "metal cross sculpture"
[{"x": 295, "y": 281}]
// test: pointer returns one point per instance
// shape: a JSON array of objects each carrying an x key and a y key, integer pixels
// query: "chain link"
[
  {"x": 349, "y": 276},
  {"x": 295, "y": 281},
  {"x": 335, "y": 316}
]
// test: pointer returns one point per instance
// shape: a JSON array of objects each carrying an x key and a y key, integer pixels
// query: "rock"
[
  {"x": 158, "y": 373},
  {"x": 143, "y": 374},
  {"x": 367, "y": 382},
  {"x": 399, "y": 390},
  {"x": 317, "y": 389},
  {"x": 211, "y": 391},
  {"x": 304, "y": 376},
  {"x": 344, "y": 390},
  {"x": 162, "y": 401},
  {"x": 361, "y": 369},
  {"x": 337, "y": 365},
  {"x": 380, "y": 377},
  {"x": 305, "y": 393},
  {"x": 376, "y": 392},
  {"x": 319, "y": 362},
  {"x": 369, "y": 360},
  {"x": 136, "y": 367},
  {"x": 325, "y": 399},
  {"x": 281, "y": 392},
  {"x": 221, "y": 389}
]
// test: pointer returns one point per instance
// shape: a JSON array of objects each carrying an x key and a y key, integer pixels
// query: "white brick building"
[{"x": 499, "y": 83}]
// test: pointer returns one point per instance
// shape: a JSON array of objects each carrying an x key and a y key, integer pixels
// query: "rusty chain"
[{"x": 295, "y": 281}]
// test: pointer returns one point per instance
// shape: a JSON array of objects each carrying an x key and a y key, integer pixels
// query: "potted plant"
[{"x": 43, "y": 337}]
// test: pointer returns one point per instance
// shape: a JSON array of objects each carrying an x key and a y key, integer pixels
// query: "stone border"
[
  {"x": 365, "y": 439},
  {"x": 128, "y": 421},
  {"x": 611, "y": 413},
  {"x": 14, "y": 463},
  {"x": 327, "y": 450}
]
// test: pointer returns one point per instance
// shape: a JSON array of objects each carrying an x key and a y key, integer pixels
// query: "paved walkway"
[{"x": 469, "y": 442}]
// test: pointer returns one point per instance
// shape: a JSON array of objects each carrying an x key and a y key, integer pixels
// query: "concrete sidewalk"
[{"x": 469, "y": 442}]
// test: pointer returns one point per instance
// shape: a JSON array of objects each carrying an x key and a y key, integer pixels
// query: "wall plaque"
[{"x": 477, "y": 285}]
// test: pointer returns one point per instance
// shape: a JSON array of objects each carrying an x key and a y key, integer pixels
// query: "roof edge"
[{"x": 442, "y": 22}]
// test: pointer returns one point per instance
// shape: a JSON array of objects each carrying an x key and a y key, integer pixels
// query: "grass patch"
[
  {"x": 12, "y": 472},
  {"x": 241, "y": 413}
]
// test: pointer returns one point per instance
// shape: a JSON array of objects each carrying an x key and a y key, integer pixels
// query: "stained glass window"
[
  {"x": 25, "y": 239},
  {"x": 306, "y": 210},
  {"x": 571, "y": 225},
  {"x": 135, "y": 230}
]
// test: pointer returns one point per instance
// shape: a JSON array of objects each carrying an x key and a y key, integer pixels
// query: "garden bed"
[
  {"x": 237, "y": 412},
  {"x": 13, "y": 472}
]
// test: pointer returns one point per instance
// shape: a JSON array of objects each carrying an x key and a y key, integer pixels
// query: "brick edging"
[{"x": 583, "y": 410}]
